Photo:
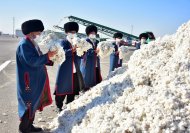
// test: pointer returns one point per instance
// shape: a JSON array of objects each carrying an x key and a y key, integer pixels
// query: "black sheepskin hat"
[
  {"x": 91, "y": 28},
  {"x": 118, "y": 35},
  {"x": 32, "y": 26},
  {"x": 71, "y": 26},
  {"x": 145, "y": 35}
]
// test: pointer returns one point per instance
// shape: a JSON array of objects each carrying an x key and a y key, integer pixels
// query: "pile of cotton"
[
  {"x": 151, "y": 96},
  {"x": 52, "y": 42},
  {"x": 105, "y": 48},
  {"x": 104, "y": 93},
  {"x": 117, "y": 71},
  {"x": 82, "y": 46}
]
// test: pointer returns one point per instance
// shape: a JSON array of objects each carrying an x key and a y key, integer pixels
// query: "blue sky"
[{"x": 160, "y": 16}]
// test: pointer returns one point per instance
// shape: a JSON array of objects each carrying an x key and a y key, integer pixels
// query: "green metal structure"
[{"x": 101, "y": 28}]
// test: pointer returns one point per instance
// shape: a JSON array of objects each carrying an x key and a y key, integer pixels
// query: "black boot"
[
  {"x": 25, "y": 124},
  {"x": 70, "y": 98},
  {"x": 35, "y": 129},
  {"x": 59, "y": 101},
  {"x": 58, "y": 110}
]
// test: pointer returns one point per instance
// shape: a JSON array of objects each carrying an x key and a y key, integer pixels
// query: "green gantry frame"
[{"x": 101, "y": 28}]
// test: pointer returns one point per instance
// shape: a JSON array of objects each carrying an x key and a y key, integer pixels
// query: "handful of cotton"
[
  {"x": 47, "y": 38},
  {"x": 105, "y": 48},
  {"x": 123, "y": 52},
  {"x": 59, "y": 58},
  {"x": 82, "y": 46},
  {"x": 51, "y": 41}
]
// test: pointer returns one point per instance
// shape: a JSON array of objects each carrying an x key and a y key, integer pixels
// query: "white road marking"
[{"x": 5, "y": 64}]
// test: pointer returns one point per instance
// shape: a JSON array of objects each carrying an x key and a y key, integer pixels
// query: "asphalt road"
[{"x": 9, "y": 120}]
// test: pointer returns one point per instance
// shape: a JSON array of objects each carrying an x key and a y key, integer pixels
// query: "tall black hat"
[
  {"x": 118, "y": 35},
  {"x": 32, "y": 26},
  {"x": 71, "y": 26},
  {"x": 91, "y": 28},
  {"x": 145, "y": 35}
]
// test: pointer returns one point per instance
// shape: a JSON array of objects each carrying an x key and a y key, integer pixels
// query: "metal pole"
[{"x": 13, "y": 26}]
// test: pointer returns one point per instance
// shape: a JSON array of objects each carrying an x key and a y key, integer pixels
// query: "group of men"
[{"x": 75, "y": 74}]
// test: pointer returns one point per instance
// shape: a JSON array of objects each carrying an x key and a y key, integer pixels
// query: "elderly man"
[{"x": 33, "y": 90}]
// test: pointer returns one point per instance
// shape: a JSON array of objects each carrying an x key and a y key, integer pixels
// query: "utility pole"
[{"x": 13, "y": 26}]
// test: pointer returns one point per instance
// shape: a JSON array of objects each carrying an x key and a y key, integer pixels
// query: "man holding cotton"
[
  {"x": 90, "y": 62},
  {"x": 115, "y": 62},
  {"x": 33, "y": 90}
]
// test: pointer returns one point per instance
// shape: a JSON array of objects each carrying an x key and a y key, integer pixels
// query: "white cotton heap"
[
  {"x": 117, "y": 71},
  {"x": 105, "y": 48},
  {"x": 82, "y": 46},
  {"x": 52, "y": 43},
  {"x": 151, "y": 96},
  {"x": 123, "y": 52}
]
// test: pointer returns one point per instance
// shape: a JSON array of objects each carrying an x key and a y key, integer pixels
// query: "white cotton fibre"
[{"x": 52, "y": 42}]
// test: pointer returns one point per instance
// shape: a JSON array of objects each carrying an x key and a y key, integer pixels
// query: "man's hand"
[
  {"x": 97, "y": 50},
  {"x": 117, "y": 53},
  {"x": 124, "y": 43},
  {"x": 52, "y": 53}
]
